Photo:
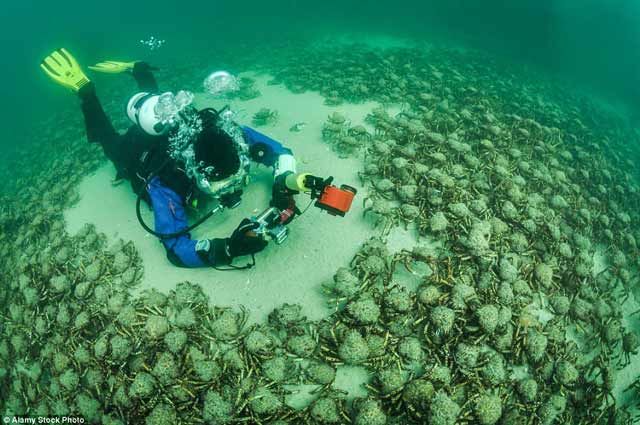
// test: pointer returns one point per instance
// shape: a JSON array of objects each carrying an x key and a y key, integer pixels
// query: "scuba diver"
[{"x": 171, "y": 166}]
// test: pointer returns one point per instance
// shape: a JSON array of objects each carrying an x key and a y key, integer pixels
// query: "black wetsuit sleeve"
[{"x": 144, "y": 77}]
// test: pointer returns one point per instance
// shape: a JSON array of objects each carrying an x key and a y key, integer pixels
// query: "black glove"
[
  {"x": 282, "y": 196},
  {"x": 220, "y": 252},
  {"x": 243, "y": 243}
]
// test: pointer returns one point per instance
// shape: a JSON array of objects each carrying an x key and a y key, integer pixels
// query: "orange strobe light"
[{"x": 336, "y": 201}]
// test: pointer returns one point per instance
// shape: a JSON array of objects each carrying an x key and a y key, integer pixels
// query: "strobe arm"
[{"x": 308, "y": 183}]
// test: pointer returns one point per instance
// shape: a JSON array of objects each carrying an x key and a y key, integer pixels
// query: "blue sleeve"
[
  {"x": 170, "y": 217},
  {"x": 264, "y": 150}
]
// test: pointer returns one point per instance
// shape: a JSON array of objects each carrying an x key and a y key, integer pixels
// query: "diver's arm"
[
  {"x": 264, "y": 150},
  {"x": 267, "y": 151},
  {"x": 170, "y": 217}
]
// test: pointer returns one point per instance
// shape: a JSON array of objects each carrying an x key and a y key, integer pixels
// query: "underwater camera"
[
  {"x": 333, "y": 200},
  {"x": 270, "y": 224}
]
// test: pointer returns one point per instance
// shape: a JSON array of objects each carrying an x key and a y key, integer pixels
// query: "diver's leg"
[
  {"x": 144, "y": 77},
  {"x": 100, "y": 130},
  {"x": 99, "y": 127}
]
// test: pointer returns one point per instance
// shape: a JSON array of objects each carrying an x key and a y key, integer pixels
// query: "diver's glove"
[
  {"x": 243, "y": 241},
  {"x": 282, "y": 197}
]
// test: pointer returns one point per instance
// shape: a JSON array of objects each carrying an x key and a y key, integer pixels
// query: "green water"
[
  {"x": 498, "y": 180},
  {"x": 593, "y": 42}
]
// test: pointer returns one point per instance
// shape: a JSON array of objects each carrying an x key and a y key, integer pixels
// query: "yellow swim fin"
[
  {"x": 112, "y": 67},
  {"x": 64, "y": 70}
]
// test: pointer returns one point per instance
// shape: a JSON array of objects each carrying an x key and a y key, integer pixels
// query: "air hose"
[
  {"x": 176, "y": 234},
  {"x": 231, "y": 267}
]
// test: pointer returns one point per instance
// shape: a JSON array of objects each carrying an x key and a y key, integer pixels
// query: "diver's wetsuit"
[{"x": 137, "y": 155}]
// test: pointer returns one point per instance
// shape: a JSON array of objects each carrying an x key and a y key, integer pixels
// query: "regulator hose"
[{"x": 176, "y": 234}]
